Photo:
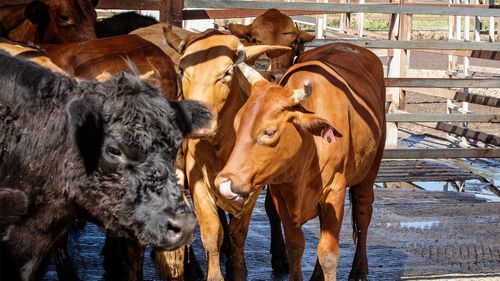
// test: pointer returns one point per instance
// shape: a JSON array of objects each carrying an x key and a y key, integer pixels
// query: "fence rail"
[
  {"x": 450, "y": 10},
  {"x": 399, "y": 33},
  {"x": 409, "y": 44}
]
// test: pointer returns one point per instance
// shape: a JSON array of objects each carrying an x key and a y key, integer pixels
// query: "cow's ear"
[
  {"x": 316, "y": 125},
  {"x": 37, "y": 12},
  {"x": 242, "y": 31},
  {"x": 303, "y": 37},
  {"x": 86, "y": 127},
  {"x": 190, "y": 115}
]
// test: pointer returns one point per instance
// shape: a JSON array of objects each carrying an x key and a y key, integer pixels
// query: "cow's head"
[
  {"x": 61, "y": 21},
  {"x": 273, "y": 28},
  {"x": 272, "y": 128},
  {"x": 207, "y": 69},
  {"x": 127, "y": 137}
]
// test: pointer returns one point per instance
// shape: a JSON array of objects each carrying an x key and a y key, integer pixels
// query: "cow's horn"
[
  {"x": 173, "y": 40},
  {"x": 252, "y": 75},
  {"x": 302, "y": 94},
  {"x": 242, "y": 55}
]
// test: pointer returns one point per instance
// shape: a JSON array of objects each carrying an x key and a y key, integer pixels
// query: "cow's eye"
[
  {"x": 228, "y": 76},
  {"x": 113, "y": 151},
  {"x": 270, "y": 133},
  {"x": 64, "y": 19}
]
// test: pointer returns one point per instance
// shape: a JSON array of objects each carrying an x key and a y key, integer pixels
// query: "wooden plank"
[
  {"x": 486, "y": 118},
  {"x": 129, "y": 4},
  {"x": 197, "y": 14},
  {"x": 442, "y": 83},
  {"x": 346, "y": 8},
  {"x": 469, "y": 133},
  {"x": 411, "y": 44},
  {"x": 477, "y": 99},
  {"x": 458, "y": 96},
  {"x": 171, "y": 12},
  {"x": 436, "y": 153}
]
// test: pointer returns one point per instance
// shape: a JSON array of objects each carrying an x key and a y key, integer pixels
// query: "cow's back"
[
  {"x": 90, "y": 59},
  {"x": 348, "y": 90},
  {"x": 359, "y": 67}
]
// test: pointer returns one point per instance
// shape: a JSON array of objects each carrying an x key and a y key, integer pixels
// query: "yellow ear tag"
[{"x": 262, "y": 63}]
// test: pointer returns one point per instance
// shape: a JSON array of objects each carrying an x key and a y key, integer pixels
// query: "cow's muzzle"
[
  {"x": 230, "y": 190},
  {"x": 179, "y": 230}
]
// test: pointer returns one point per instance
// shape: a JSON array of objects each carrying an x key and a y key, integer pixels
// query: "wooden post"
[
  {"x": 405, "y": 28},
  {"x": 345, "y": 18},
  {"x": 361, "y": 21},
  {"x": 492, "y": 25},
  {"x": 466, "y": 38},
  {"x": 171, "y": 12},
  {"x": 321, "y": 23},
  {"x": 393, "y": 63}
]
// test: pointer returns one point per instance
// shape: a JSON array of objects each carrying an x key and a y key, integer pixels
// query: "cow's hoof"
[
  {"x": 280, "y": 265},
  {"x": 215, "y": 278},
  {"x": 358, "y": 276},
  {"x": 236, "y": 273}
]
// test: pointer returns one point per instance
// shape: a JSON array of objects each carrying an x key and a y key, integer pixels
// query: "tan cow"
[
  {"x": 208, "y": 72},
  {"x": 320, "y": 132},
  {"x": 273, "y": 28}
]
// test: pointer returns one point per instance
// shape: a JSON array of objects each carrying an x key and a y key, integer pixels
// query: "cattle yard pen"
[{"x": 413, "y": 235}]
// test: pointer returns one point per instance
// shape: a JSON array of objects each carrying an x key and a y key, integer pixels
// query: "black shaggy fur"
[
  {"x": 122, "y": 23},
  {"x": 99, "y": 151}
]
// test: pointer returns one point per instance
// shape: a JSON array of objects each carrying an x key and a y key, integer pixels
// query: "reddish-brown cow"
[
  {"x": 207, "y": 66},
  {"x": 321, "y": 132},
  {"x": 49, "y": 21},
  {"x": 273, "y": 28},
  {"x": 107, "y": 56}
]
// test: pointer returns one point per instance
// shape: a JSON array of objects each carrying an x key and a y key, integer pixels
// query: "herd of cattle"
[{"x": 117, "y": 131}]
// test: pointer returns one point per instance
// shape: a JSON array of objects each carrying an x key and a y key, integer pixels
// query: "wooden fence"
[{"x": 397, "y": 44}]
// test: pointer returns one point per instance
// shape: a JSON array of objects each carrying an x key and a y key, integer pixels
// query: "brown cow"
[
  {"x": 29, "y": 52},
  {"x": 273, "y": 28},
  {"x": 320, "y": 132},
  {"x": 207, "y": 67},
  {"x": 49, "y": 21},
  {"x": 107, "y": 56}
]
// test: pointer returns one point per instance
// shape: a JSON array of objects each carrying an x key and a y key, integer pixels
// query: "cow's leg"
[
  {"x": 211, "y": 229},
  {"x": 361, "y": 200},
  {"x": 135, "y": 254},
  {"x": 361, "y": 196},
  {"x": 279, "y": 259},
  {"x": 294, "y": 238},
  {"x": 331, "y": 214},
  {"x": 238, "y": 230},
  {"x": 64, "y": 265},
  {"x": 225, "y": 250},
  {"x": 115, "y": 252}
]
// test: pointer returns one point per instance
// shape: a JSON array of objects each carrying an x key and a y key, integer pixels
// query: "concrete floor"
[{"x": 413, "y": 236}]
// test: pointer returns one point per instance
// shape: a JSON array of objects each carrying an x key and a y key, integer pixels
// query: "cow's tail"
[{"x": 353, "y": 221}]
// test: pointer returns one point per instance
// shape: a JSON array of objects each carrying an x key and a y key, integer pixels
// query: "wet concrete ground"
[{"x": 413, "y": 236}]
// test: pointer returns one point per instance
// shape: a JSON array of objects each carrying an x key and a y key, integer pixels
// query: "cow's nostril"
[{"x": 173, "y": 227}]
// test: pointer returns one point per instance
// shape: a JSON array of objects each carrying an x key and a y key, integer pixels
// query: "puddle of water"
[
  {"x": 419, "y": 224},
  {"x": 488, "y": 197}
]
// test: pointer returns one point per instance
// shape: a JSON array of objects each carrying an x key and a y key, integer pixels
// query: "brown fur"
[{"x": 309, "y": 152}]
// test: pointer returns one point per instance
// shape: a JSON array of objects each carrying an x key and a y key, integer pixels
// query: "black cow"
[
  {"x": 99, "y": 151},
  {"x": 122, "y": 23}
]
